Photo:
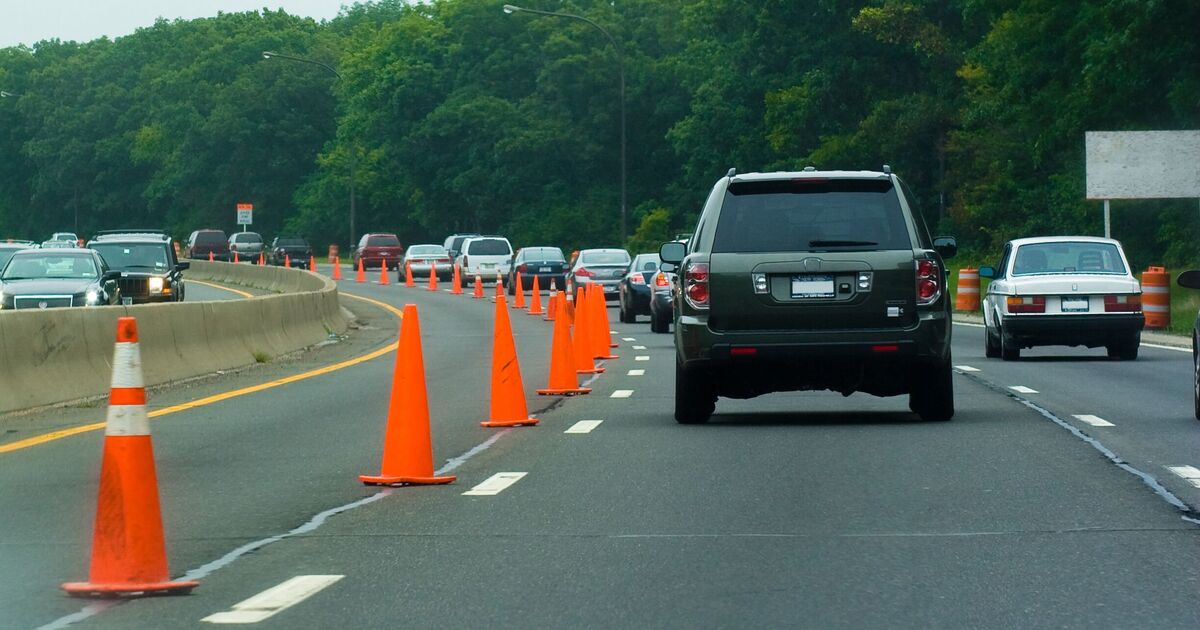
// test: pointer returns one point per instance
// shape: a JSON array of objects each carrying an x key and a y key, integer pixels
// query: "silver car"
[
  {"x": 421, "y": 257},
  {"x": 248, "y": 245},
  {"x": 604, "y": 267}
]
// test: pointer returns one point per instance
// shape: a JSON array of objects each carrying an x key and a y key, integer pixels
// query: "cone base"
[
  {"x": 606, "y": 357},
  {"x": 614, "y": 345},
  {"x": 453, "y": 292},
  {"x": 87, "y": 589},
  {"x": 527, "y": 422},
  {"x": 598, "y": 370},
  {"x": 477, "y": 297},
  {"x": 564, "y": 392},
  {"x": 391, "y": 480}
]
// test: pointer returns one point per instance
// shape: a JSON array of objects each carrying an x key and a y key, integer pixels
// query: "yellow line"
[
  {"x": 217, "y": 286},
  {"x": 216, "y": 398}
]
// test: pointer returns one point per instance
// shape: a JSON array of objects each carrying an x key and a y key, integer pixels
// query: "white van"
[{"x": 485, "y": 256}]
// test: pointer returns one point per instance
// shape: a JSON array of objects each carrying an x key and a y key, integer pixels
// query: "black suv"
[
  {"x": 811, "y": 280},
  {"x": 150, "y": 272}
]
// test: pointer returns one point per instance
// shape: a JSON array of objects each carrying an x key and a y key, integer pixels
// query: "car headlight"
[
  {"x": 92, "y": 296},
  {"x": 156, "y": 285}
]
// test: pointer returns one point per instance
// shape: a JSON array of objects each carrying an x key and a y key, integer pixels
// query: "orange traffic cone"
[
  {"x": 519, "y": 292},
  {"x": 551, "y": 307},
  {"x": 312, "y": 263},
  {"x": 210, "y": 257},
  {"x": 478, "y": 288},
  {"x": 407, "y": 445},
  {"x": 337, "y": 268},
  {"x": 262, "y": 260},
  {"x": 287, "y": 261},
  {"x": 383, "y": 274},
  {"x": 581, "y": 337},
  {"x": 361, "y": 276},
  {"x": 499, "y": 287},
  {"x": 456, "y": 287},
  {"x": 563, "y": 379},
  {"x": 408, "y": 277},
  {"x": 508, "y": 390},
  {"x": 600, "y": 326},
  {"x": 433, "y": 277},
  {"x": 535, "y": 298},
  {"x": 128, "y": 550},
  {"x": 235, "y": 257}
]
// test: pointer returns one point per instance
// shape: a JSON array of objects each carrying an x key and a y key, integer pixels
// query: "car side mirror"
[
  {"x": 987, "y": 272},
  {"x": 183, "y": 265},
  {"x": 672, "y": 252},
  {"x": 1189, "y": 279},
  {"x": 946, "y": 246}
]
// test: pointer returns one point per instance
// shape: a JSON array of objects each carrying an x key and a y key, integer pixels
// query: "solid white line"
[
  {"x": 642, "y": 357},
  {"x": 622, "y": 393},
  {"x": 1190, "y": 473},
  {"x": 636, "y": 373},
  {"x": 495, "y": 484},
  {"x": 584, "y": 426},
  {"x": 966, "y": 368},
  {"x": 1021, "y": 389},
  {"x": 639, "y": 347},
  {"x": 628, "y": 339},
  {"x": 1162, "y": 347},
  {"x": 275, "y": 599},
  {"x": 1095, "y": 421}
]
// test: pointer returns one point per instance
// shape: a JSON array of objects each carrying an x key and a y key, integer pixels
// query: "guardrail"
[{"x": 58, "y": 355}]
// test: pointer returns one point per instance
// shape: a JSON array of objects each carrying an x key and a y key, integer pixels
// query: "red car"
[{"x": 377, "y": 249}]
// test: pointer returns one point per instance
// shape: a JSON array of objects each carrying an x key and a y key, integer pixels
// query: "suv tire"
[
  {"x": 932, "y": 395},
  {"x": 695, "y": 396}
]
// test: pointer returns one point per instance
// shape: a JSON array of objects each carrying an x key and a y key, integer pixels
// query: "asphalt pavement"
[{"x": 791, "y": 510}]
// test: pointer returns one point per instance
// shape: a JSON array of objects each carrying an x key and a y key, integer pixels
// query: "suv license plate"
[
  {"x": 1074, "y": 305},
  {"x": 812, "y": 286}
]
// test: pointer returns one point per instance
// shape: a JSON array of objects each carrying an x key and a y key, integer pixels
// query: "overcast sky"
[{"x": 30, "y": 21}]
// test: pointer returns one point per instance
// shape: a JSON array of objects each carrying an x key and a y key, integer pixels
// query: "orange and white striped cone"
[
  {"x": 478, "y": 292},
  {"x": 552, "y": 306},
  {"x": 235, "y": 257},
  {"x": 456, "y": 287},
  {"x": 128, "y": 550},
  {"x": 337, "y": 268},
  {"x": 383, "y": 275}
]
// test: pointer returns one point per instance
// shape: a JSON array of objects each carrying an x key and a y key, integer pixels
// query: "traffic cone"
[
  {"x": 551, "y": 307},
  {"x": 581, "y": 337},
  {"x": 408, "y": 277},
  {"x": 433, "y": 277},
  {"x": 287, "y": 261},
  {"x": 601, "y": 327},
  {"x": 235, "y": 257},
  {"x": 499, "y": 287},
  {"x": 519, "y": 292},
  {"x": 129, "y": 554},
  {"x": 535, "y": 298},
  {"x": 210, "y": 257},
  {"x": 383, "y": 274},
  {"x": 478, "y": 288},
  {"x": 337, "y": 268},
  {"x": 407, "y": 445},
  {"x": 312, "y": 263},
  {"x": 361, "y": 276},
  {"x": 262, "y": 260},
  {"x": 456, "y": 286},
  {"x": 508, "y": 390},
  {"x": 563, "y": 379}
]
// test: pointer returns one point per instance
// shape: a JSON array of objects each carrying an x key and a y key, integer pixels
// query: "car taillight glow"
[
  {"x": 743, "y": 351},
  {"x": 636, "y": 278},
  {"x": 929, "y": 287},
  {"x": 464, "y": 262},
  {"x": 660, "y": 280},
  {"x": 1127, "y": 303},
  {"x": 695, "y": 285},
  {"x": 583, "y": 273},
  {"x": 1026, "y": 304},
  {"x": 523, "y": 268}
]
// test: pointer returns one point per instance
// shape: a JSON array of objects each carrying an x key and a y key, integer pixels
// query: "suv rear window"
[
  {"x": 386, "y": 240},
  {"x": 210, "y": 237},
  {"x": 811, "y": 215},
  {"x": 246, "y": 237},
  {"x": 489, "y": 247}
]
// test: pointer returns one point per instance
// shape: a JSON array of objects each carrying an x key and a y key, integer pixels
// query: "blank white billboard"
[{"x": 1143, "y": 164}]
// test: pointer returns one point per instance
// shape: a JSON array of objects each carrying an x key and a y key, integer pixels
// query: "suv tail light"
[
  {"x": 464, "y": 262},
  {"x": 929, "y": 282},
  {"x": 1027, "y": 304},
  {"x": 695, "y": 285},
  {"x": 1128, "y": 303}
]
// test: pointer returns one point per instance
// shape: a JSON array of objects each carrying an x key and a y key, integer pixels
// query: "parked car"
[
  {"x": 247, "y": 245},
  {"x": 634, "y": 289},
  {"x": 201, "y": 243},
  {"x": 661, "y": 300},
  {"x": 289, "y": 248},
  {"x": 421, "y": 257},
  {"x": 811, "y": 280},
  {"x": 53, "y": 278},
  {"x": 604, "y": 267},
  {"x": 377, "y": 249},
  {"x": 454, "y": 243},
  {"x": 1062, "y": 291},
  {"x": 8, "y": 249},
  {"x": 547, "y": 264},
  {"x": 1191, "y": 280},
  {"x": 486, "y": 257},
  {"x": 150, "y": 272}
]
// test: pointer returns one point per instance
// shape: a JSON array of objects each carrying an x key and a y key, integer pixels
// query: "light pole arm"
[{"x": 268, "y": 54}]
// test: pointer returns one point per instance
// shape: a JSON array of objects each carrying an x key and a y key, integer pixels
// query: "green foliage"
[{"x": 652, "y": 232}]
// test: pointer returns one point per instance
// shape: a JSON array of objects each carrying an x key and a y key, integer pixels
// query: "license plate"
[
  {"x": 812, "y": 286},
  {"x": 543, "y": 270},
  {"x": 127, "y": 301},
  {"x": 1074, "y": 305},
  {"x": 487, "y": 266}
]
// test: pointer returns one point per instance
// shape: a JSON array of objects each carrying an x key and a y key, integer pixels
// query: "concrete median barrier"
[{"x": 59, "y": 355}]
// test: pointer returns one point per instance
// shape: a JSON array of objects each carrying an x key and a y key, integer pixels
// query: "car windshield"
[
  {"x": 1067, "y": 257},
  {"x": 489, "y": 247},
  {"x": 547, "y": 254},
  {"x": 426, "y": 250},
  {"x": 605, "y": 258},
  {"x": 50, "y": 266},
  {"x": 134, "y": 255},
  {"x": 247, "y": 237},
  {"x": 383, "y": 240},
  {"x": 811, "y": 215},
  {"x": 6, "y": 255},
  {"x": 291, "y": 242}
]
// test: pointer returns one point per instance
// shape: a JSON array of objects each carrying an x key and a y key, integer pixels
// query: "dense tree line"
[{"x": 458, "y": 116}]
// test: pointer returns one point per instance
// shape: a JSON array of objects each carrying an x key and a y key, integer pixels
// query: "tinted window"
[
  {"x": 605, "y": 258},
  {"x": 210, "y": 238},
  {"x": 456, "y": 244},
  {"x": 129, "y": 255},
  {"x": 383, "y": 240},
  {"x": 1047, "y": 258},
  {"x": 548, "y": 254},
  {"x": 291, "y": 242},
  {"x": 43, "y": 266},
  {"x": 489, "y": 247},
  {"x": 247, "y": 237},
  {"x": 815, "y": 215}
]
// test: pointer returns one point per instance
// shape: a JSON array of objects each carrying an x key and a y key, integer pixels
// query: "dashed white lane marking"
[
  {"x": 622, "y": 393},
  {"x": 1189, "y": 473},
  {"x": 642, "y": 357},
  {"x": 637, "y": 373},
  {"x": 274, "y": 600},
  {"x": 584, "y": 426},
  {"x": 1095, "y": 421},
  {"x": 966, "y": 368},
  {"x": 628, "y": 339},
  {"x": 639, "y": 347},
  {"x": 495, "y": 484},
  {"x": 1021, "y": 389}
]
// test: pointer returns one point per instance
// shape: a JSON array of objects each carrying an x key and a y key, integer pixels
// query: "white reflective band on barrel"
[
  {"x": 127, "y": 366},
  {"x": 1150, "y": 289},
  {"x": 1154, "y": 308},
  {"x": 967, "y": 290},
  {"x": 127, "y": 420}
]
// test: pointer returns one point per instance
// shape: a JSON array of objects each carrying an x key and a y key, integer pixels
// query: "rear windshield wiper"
[{"x": 840, "y": 243}]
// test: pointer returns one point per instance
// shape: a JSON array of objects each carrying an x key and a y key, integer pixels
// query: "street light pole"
[
  {"x": 353, "y": 149},
  {"x": 512, "y": 8}
]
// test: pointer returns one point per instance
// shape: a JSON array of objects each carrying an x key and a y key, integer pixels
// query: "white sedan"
[{"x": 1062, "y": 291}]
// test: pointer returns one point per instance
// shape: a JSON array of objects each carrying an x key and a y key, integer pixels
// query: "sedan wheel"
[
  {"x": 1009, "y": 350},
  {"x": 991, "y": 343}
]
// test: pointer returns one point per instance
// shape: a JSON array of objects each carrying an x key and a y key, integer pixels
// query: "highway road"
[
  {"x": 197, "y": 291},
  {"x": 792, "y": 510}
]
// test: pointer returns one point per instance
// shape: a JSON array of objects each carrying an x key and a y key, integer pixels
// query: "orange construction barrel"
[
  {"x": 333, "y": 251},
  {"x": 967, "y": 296},
  {"x": 1156, "y": 297}
]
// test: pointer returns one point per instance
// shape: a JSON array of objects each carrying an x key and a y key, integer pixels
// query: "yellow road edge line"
[
  {"x": 216, "y": 398},
  {"x": 223, "y": 288}
]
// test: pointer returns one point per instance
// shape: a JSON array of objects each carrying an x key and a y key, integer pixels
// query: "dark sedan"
[
  {"x": 633, "y": 291},
  {"x": 289, "y": 248},
  {"x": 56, "y": 278},
  {"x": 547, "y": 264}
]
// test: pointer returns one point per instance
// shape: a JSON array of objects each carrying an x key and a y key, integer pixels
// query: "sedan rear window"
[
  {"x": 547, "y": 254},
  {"x": 291, "y": 242},
  {"x": 427, "y": 250},
  {"x": 605, "y": 258},
  {"x": 1067, "y": 257},
  {"x": 811, "y": 215},
  {"x": 489, "y": 247},
  {"x": 384, "y": 240}
]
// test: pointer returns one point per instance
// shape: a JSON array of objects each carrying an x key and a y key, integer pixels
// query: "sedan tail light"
[
  {"x": 929, "y": 282},
  {"x": 1127, "y": 303},
  {"x": 695, "y": 285},
  {"x": 443, "y": 260},
  {"x": 523, "y": 268},
  {"x": 1027, "y": 304},
  {"x": 636, "y": 278},
  {"x": 660, "y": 280},
  {"x": 583, "y": 272}
]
